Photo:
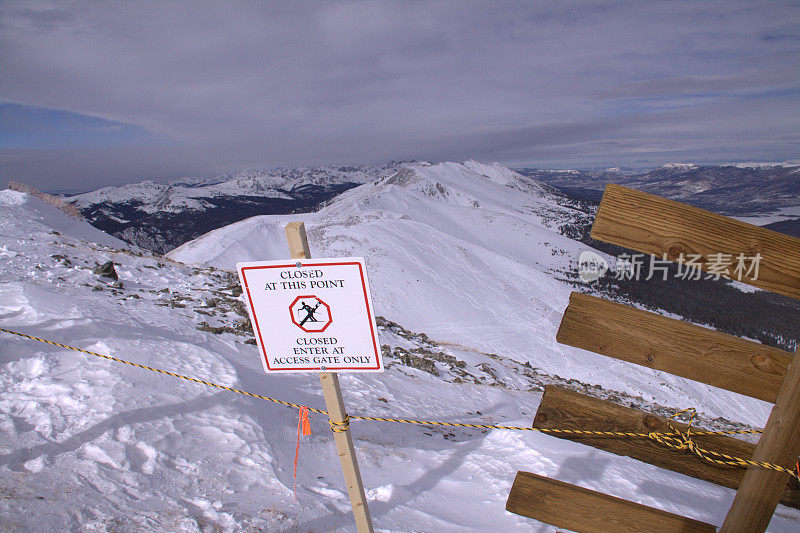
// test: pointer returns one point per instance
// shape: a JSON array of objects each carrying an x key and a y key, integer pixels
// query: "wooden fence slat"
[
  {"x": 654, "y": 225},
  {"x": 563, "y": 505},
  {"x": 761, "y": 489},
  {"x": 565, "y": 409},
  {"x": 673, "y": 346}
]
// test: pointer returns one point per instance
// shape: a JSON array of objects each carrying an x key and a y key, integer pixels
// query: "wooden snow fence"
[{"x": 657, "y": 226}]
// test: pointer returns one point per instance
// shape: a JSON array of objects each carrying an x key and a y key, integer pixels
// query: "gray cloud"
[{"x": 263, "y": 84}]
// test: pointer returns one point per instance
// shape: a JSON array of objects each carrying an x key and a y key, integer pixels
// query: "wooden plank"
[
  {"x": 334, "y": 403},
  {"x": 655, "y": 225},
  {"x": 566, "y": 409},
  {"x": 576, "y": 508},
  {"x": 673, "y": 346},
  {"x": 761, "y": 489}
]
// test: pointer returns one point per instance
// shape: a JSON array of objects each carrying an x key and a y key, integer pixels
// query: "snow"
[
  {"x": 679, "y": 166},
  {"x": 784, "y": 213},
  {"x": 9, "y": 197},
  {"x": 93, "y": 445},
  {"x": 744, "y": 287},
  {"x": 788, "y": 163},
  {"x": 38, "y": 216}
]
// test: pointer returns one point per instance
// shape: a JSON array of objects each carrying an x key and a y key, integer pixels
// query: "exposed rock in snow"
[{"x": 106, "y": 270}]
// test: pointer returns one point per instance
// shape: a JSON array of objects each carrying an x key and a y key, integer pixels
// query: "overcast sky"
[{"x": 100, "y": 93}]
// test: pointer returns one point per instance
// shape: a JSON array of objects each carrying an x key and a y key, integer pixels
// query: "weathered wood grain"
[
  {"x": 761, "y": 489},
  {"x": 576, "y": 508},
  {"x": 655, "y": 225},
  {"x": 677, "y": 347},
  {"x": 566, "y": 409}
]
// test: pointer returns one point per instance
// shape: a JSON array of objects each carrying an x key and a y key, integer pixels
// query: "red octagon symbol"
[{"x": 310, "y": 314}]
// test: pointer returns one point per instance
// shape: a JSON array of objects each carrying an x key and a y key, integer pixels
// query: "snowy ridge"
[
  {"x": 37, "y": 216},
  {"x": 470, "y": 254},
  {"x": 678, "y": 166}
]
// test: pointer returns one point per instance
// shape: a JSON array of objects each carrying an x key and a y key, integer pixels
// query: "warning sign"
[{"x": 312, "y": 315}]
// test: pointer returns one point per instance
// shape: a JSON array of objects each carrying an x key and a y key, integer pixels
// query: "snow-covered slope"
[
  {"x": 30, "y": 215},
  {"x": 471, "y": 254},
  {"x": 88, "y": 444}
]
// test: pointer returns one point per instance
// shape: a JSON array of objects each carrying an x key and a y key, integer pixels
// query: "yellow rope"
[
  {"x": 673, "y": 438},
  {"x": 680, "y": 440},
  {"x": 340, "y": 427},
  {"x": 165, "y": 372}
]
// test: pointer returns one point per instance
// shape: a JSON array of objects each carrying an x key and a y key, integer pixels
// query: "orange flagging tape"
[{"x": 304, "y": 427}]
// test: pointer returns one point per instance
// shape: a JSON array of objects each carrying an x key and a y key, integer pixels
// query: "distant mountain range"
[
  {"x": 161, "y": 217},
  {"x": 729, "y": 190},
  {"x": 738, "y": 190}
]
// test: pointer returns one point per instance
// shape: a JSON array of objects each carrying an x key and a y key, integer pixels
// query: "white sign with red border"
[{"x": 312, "y": 315}]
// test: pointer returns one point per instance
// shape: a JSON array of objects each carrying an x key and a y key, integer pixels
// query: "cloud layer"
[{"x": 242, "y": 84}]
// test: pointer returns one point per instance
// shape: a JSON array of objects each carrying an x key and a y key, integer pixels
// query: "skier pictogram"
[{"x": 310, "y": 314}]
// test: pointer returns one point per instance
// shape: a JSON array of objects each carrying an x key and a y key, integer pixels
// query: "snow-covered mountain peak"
[
  {"x": 470, "y": 184},
  {"x": 494, "y": 171},
  {"x": 195, "y": 192},
  {"x": 144, "y": 190},
  {"x": 455, "y": 249},
  {"x": 461, "y": 174}
]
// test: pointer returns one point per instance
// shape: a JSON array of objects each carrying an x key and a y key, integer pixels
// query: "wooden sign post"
[{"x": 298, "y": 247}]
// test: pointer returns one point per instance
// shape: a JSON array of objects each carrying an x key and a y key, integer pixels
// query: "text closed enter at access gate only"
[{"x": 312, "y": 315}]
